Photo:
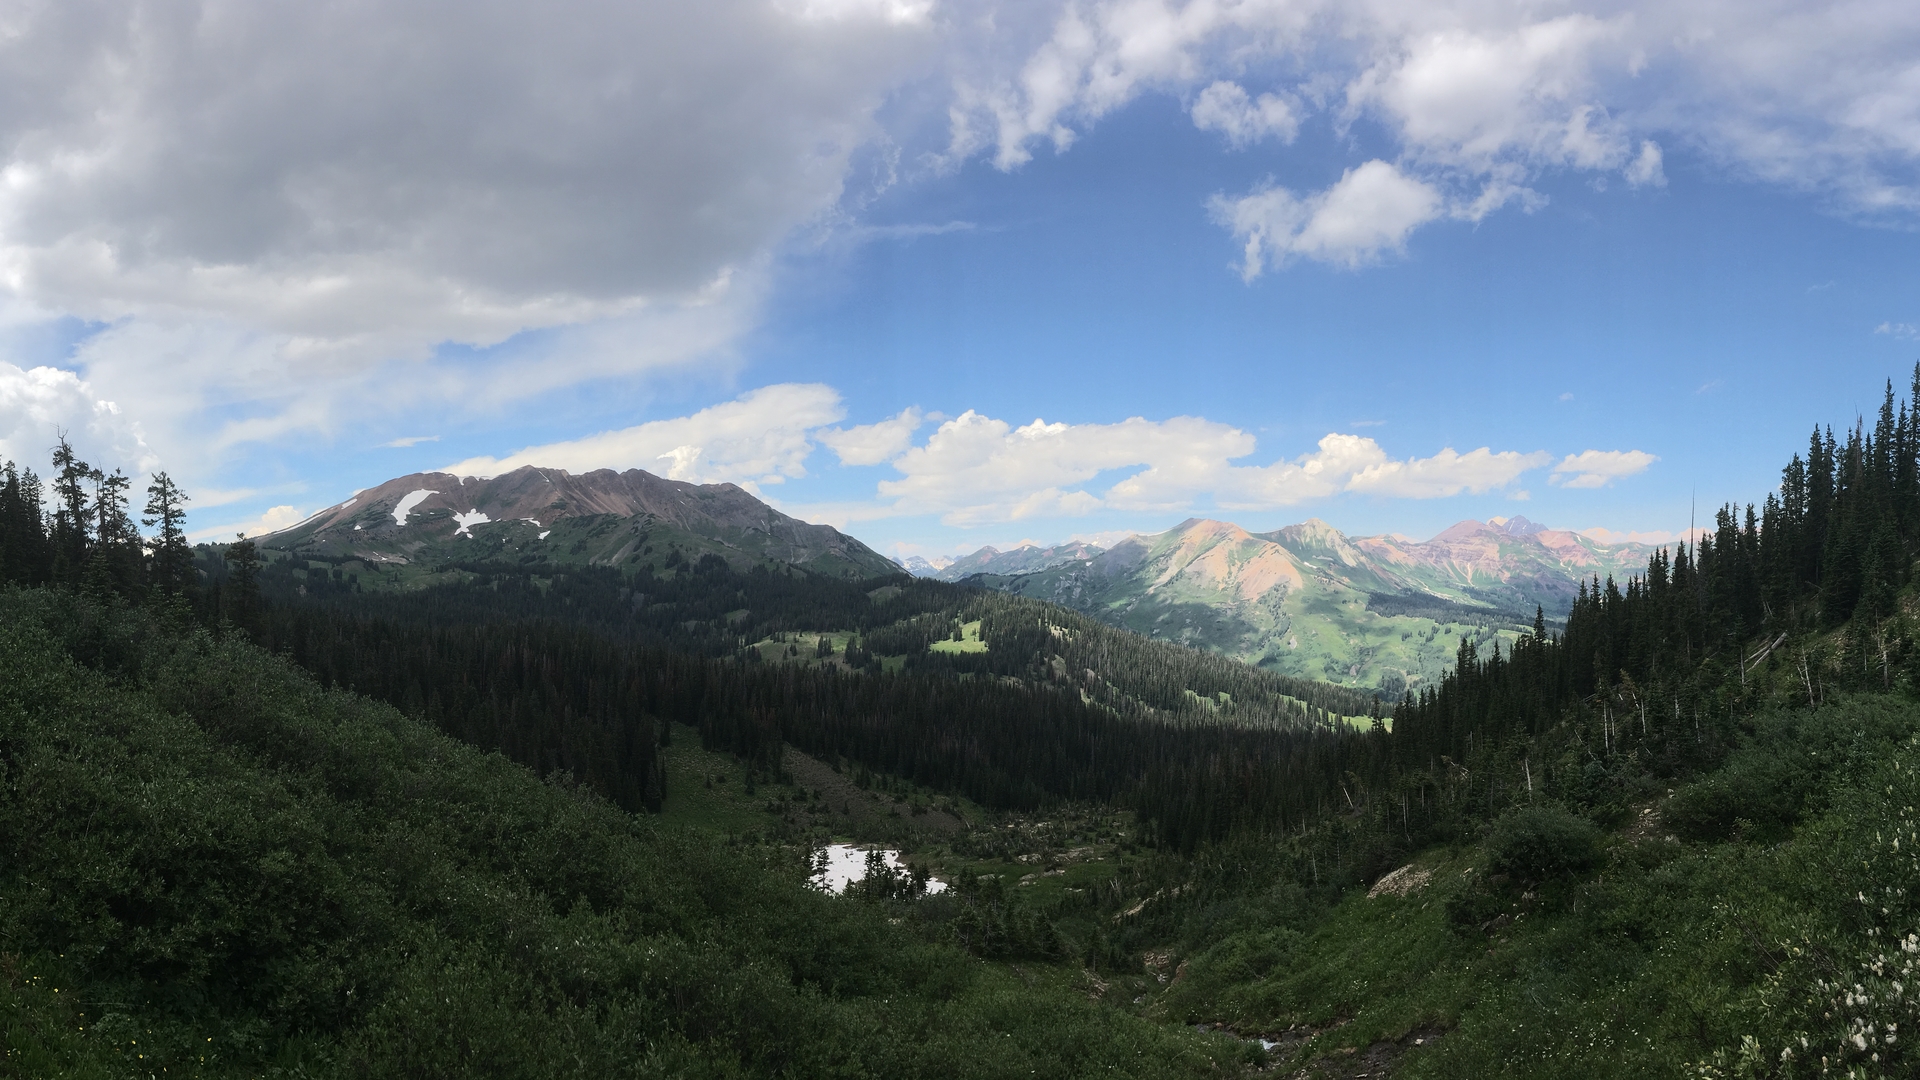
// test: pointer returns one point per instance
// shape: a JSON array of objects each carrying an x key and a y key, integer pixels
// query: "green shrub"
[{"x": 1539, "y": 843}]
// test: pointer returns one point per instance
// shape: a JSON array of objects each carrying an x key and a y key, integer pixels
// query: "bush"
[{"x": 1539, "y": 843}]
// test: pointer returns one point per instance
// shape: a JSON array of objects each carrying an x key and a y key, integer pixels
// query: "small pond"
[{"x": 847, "y": 863}]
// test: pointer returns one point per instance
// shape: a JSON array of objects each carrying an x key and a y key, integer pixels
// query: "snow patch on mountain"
[
  {"x": 468, "y": 520},
  {"x": 406, "y": 505}
]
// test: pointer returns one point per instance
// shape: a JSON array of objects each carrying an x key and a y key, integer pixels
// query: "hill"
[
  {"x": 629, "y": 519},
  {"x": 215, "y": 867},
  {"x": 1382, "y": 612}
]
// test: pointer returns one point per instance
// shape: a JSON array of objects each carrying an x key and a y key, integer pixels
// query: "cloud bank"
[{"x": 977, "y": 470}]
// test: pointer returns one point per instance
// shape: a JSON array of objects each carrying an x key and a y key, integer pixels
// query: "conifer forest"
[{"x": 267, "y": 814}]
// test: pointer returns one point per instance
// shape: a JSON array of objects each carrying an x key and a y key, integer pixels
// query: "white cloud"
[
  {"x": 1598, "y": 468},
  {"x": 1447, "y": 473},
  {"x": 1479, "y": 97},
  {"x": 38, "y": 404},
  {"x": 1645, "y": 170},
  {"x": 272, "y": 521},
  {"x": 976, "y": 470},
  {"x": 406, "y": 441},
  {"x": 762, "y": 437},
  {"x": 1904, "y": 331},
  {"x": 872, "y": 444},
  {"x": 1473, "y": 97},
  {"x": 1226, "y": 108},
  {"x": 1610, "y": 537},
  {"x": 1370, "y": 210}
]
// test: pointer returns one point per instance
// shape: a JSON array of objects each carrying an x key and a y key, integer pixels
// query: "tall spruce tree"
[
  {"x": 240, "y": 597},
  {"x": 172, "y": 565},
  {"x": 72, "y": 538},
  {"x": 114, "y": 565}
]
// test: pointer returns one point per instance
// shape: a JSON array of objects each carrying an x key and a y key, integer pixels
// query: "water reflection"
[{"x": 846, "y": 864}]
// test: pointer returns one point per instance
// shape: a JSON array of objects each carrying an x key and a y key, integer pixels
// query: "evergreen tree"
[
  {"x": 172, "y": 567},
  {"x": 23, "y": 536},
  {"x": 114, "y": 564},
  {"x": 72, "y": 538},
  {"x": 240, "y": 597}
]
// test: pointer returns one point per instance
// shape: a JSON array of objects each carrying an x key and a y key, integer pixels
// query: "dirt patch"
[{"x": 1645, "y": 823}]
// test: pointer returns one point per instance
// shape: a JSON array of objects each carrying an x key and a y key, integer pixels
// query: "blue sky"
[{"x": 1584, "y": 263}]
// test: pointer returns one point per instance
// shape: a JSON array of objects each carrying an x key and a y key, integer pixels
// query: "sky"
[{"x": 946, "y": 274}]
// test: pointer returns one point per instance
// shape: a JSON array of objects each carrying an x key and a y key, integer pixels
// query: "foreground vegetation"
[{"x": 215, "y": 867}]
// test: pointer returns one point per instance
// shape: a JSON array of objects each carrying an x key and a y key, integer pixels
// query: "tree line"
[{"x": 1796, "y": 597}]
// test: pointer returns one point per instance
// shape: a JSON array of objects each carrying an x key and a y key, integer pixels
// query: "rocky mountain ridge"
[
  {"x": 603, "y": 517},
  {"x": 1378, "y": 611}
]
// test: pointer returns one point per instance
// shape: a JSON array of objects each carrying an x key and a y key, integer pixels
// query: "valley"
[{"x": 354, "y": 805}]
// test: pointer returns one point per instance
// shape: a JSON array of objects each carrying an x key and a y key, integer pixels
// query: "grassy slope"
[
  {"x": 1784, "y": 874},
  {"x": 212, "y": 866},
  {"x": 1323, "y": 632}
]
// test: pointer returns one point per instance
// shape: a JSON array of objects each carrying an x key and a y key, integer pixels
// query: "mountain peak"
[
  {"x": 630, "y": 518},
  {"x": 1517, "y": 525}
]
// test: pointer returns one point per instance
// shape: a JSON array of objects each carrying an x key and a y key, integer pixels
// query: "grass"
[{"x": 969, "y": 641}]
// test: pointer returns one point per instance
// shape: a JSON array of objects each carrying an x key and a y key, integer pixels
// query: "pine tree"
[
  {"x": 240, "y": 597},
  {"x": 72, "y": 538},
  {"x": 172, "y": 571},
  {"x": 23, "y": 536},
  {"x": 113, "y": 566}
]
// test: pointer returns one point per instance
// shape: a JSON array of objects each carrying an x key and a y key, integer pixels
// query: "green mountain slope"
[
  {"x": 212, "y": 866},
  {"x": 1382, "y": 612}
]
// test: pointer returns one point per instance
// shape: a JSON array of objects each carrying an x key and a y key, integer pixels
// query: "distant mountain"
[
  {"x": 1025, "y": 559},
  {"x": 627, "y": 519},
  {"x": 919, "y": 566},
  {"x": 1380, "y": 611}
]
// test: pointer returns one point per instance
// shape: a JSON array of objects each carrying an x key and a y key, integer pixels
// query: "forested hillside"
[
  {"x": 1675, "y": 838},
  {"x": 581, "y": 670},
  {"x": 211, "y": 866}
]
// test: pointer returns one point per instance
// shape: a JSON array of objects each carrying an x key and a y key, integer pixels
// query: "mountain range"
[
  {"x": 629, "y": 519},
  {"x": 1384, "y": 612},
  {"x": 1377, "y": 612}
]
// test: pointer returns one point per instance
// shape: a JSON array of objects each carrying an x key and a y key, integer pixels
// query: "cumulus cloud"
[
  {"x": 273, "y": 520},
  {"x": 1598, "y": 468},
  {"x": 1447, "y": 473},
  {"x": 38, "y": 405},
  {"x": 976, "y": 469},
  {"x": 762, "y": 437},
  {"x": 1226, "y": 108},
  {"x": 872, "y": 444},
  {"x": 1469, "y": 97},
  {"x": 1610, "y": 537},
  {"x": 1645, "y": 170},
  {"x": 1479, "y": 98},
  {"x": 1369, "y": 211}
]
